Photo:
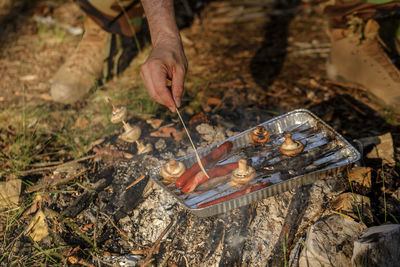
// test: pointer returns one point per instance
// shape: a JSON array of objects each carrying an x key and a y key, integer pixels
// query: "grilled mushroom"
[
  {"x": 172, "y": 170},
  {"x": 291, "y": 147},
  {"x": 259, "y": 135},
  {"x": 243, "y": 174},
  {"x": 142, "y": 148},
  {"x": 131, "y": 134},
  {"x": 118, "y": 114}
]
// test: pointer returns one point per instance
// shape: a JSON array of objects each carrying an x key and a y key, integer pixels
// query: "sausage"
[
  {"x": 189, "y": 173},
  {"x": 236, "y": 194},
  {"x": 208, "y": 161},
  {"x": 219, "y": 152},
  {"x": 200, "y": 177}
]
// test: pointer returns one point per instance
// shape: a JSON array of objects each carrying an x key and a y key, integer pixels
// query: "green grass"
[
  {"x": 56, "y": 32},
  {"x": 48, "y": 256},
  {"x": 354, "y": 197},
  {"x": 384, "y": 194}
]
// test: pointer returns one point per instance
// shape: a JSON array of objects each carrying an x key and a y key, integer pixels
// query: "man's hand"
[{"x": 167, "y": 61}]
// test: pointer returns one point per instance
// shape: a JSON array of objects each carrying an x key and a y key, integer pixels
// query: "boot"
[
  {"x": 80, "y": 72},
  {"x": 359, "y": 48},
  {"x": 364, "y": 62}
]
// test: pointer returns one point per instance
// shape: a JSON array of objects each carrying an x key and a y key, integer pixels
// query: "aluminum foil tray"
[{"x": 326, "y": 154}]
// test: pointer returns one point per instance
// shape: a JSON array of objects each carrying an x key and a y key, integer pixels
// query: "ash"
[{"x": 252, "y": 235}]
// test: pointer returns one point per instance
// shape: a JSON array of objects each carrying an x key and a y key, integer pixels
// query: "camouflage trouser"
[{"x": 115, "y": 16}]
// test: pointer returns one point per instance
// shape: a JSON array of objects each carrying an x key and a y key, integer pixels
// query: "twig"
[
  {"x": 115, "y": 226},
  {"x": 346, "y": 85},
  {"x": 130, "y": 25},
  {"x": 308, "y": 222},
  {"x": 46, "y": 164},
  {"x": 140, "y": 252},
  {"x": 186, "y": 261},
  {"x": 156, "y": 244},
  {"x": 355, "y": 107},
  {"x": 99, "y": 153},
  {"x": 57, "y": 166},
  {"x": 341, "y": 214},
  {"x": 54, "y": 182},
  {"x": 297, "y": 234},
  {"x": 135, "y": 182}
]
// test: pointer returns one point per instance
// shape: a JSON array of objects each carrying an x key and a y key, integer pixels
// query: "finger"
[
  {"x": 178, "y": 79},
  {"x": 148, "y": 82},
  {"x": 159, "y": 78}
]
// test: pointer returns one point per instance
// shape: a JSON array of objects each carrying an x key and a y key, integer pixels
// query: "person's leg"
[{"x": 80, "y": 72}]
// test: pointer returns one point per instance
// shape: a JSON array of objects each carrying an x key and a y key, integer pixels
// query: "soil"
[{"x": 243, "y": 70}]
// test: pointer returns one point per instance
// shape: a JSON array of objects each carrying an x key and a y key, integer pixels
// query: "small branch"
[
  {"x": 341, "y": 214},
  {"x": 309, "y": 221},
  {"x": 50, "y": 168},
  {"x": 156, "y": 244},
  {"x": 346, "y": 85},
  {"x": 135, "y": 182},
  {"x": 54, "y": 182},
  {"x": 355, "y": 107}
]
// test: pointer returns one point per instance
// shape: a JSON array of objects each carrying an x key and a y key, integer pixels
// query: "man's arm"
[{"x": 167, "y": 59}]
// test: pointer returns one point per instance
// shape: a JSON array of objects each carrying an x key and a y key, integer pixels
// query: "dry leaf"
[
  {"x": 87, "y": 227},
  {"x": 9, "y": 192},
  {"x": 81, "y": 123},
  {"x": 361, "y": 175},
  {"x": 213, "y": 101},
  {"x": 34, "y": 207},
  {"x": 38, "y": 228},
  {"x": 168, "y": 131},
  {"x": 155, "y": 123},
  {"x": 199, "y": 118},
  {"x": 73, "y": 259},
  {"x": 45, "y": 97},
  {"x": 384, "y": 150},
  {"x": 353, "y": 205}
]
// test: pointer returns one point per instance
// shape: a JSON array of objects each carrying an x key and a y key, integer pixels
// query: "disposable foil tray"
[{"x": 326, "y": 154}]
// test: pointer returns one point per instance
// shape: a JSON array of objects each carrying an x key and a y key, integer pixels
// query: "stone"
[
  {"x": 378, "y": 246},
  {"x": 160, "y": 144},
  {"x": 210, "y": 133},
  {"x": 354, "y": 205},
  {"x": 330, "y": 242}
]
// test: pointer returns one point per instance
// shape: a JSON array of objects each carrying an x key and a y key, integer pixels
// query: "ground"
[{"x": 247, "y": 62}]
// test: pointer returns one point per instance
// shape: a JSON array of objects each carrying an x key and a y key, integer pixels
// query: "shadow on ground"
[{"x": 268, "y": 60}]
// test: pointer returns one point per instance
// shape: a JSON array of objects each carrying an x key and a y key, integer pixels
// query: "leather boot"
[
  {"x": 364, "y": 62},
  {"x": 80, "y": 72}
]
